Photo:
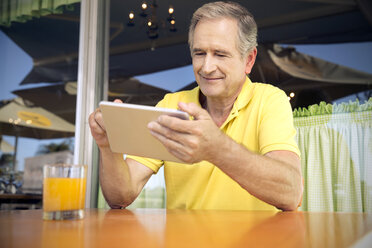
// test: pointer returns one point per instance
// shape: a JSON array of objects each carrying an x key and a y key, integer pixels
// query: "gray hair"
[{"x": 247, "y": 27}]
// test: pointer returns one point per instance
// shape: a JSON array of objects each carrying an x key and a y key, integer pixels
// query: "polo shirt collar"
[
  {"x": 243, "y": 99},
  {"x": 244, "y": 96},
  {"x": 194, "y": 96}
]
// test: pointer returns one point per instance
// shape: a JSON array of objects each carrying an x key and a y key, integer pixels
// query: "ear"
[{"x": 251, "y": 58}]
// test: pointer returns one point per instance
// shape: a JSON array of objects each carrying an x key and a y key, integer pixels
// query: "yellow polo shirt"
[{"x": 261, "y": 119}]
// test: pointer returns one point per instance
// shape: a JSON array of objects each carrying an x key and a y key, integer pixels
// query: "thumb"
[
  {"x": 118, "y": 100},
  {"x": 194, "y": 110}
]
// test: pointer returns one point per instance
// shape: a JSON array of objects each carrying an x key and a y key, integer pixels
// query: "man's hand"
[
  {"x": 189, "y": 140},
  {"x": 97, "y": 127}
]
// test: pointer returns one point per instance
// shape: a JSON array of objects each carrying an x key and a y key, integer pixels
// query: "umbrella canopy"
[
  {"x": 283, "y": 64},
  {"x": 5, "y": 147},
  {"x": 284, "y": 67},
  {"x": 303, "y": 74},
  {"x": 60, "y": 99},
  {"x": 310, "y": 78},
  {"x": 19, "y": 118},
  {"x": 52, "y": 41}
]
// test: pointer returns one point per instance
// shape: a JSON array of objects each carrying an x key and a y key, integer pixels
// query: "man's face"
[{"x": 218, "y": 66}]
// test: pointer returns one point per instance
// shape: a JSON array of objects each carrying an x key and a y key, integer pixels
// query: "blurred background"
[{"x": 314, "y": 50}]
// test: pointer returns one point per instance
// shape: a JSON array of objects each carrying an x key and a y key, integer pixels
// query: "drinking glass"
[{"x": 64, "y": 191}]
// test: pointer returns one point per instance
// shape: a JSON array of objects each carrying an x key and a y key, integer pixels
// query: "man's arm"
[
  {"x": 274, "y": 177},
  {"x": 121, "y": 180}
]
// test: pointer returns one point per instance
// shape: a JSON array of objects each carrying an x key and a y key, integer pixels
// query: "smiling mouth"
[{"x": 211, "y": 78}]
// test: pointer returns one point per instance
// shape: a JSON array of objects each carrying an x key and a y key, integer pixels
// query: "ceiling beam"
[
  {"x": 300, "y": 16},
  {"x": 122, "y": 49},
  {"x": 343, "y": 2}
]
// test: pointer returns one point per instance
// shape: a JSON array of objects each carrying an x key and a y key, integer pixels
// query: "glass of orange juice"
[{"x": 64, "y": 191}]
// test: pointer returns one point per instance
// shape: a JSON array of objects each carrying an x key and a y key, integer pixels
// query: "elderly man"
[{"x": 239, "y": 149}]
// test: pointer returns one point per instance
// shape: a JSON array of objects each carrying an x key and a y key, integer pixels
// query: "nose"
[{"x": 209, "y": 65}]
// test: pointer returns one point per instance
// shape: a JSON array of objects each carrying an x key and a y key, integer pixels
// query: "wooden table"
[{"x": 182, "y": 228}]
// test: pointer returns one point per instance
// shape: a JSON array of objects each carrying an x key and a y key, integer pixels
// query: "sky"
[{"x": 15, "y": 65}]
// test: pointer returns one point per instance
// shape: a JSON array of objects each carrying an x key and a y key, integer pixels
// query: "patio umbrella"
[
  {"x": 5, "y": 147},
  {"x": 20, "y": 118},
  {"x": 61, "y": 98},
  {"x": 303, "y": 74}
]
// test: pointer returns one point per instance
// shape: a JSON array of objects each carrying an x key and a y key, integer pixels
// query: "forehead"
[{"x": 219, "y": 33}]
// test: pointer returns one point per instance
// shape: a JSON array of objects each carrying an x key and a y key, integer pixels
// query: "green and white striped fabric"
[
  {"x": 336, "y": 152},
  {"x": 25, "y": 10}
]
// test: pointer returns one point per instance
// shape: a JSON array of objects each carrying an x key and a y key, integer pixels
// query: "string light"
[
  {"x": 17, "y": 121},
  {"x": 148, "y": 12},
  {"x": 292, "y": 94},
  {"x": 144, "y": 8},
  {"x": 131, "y": 19}
]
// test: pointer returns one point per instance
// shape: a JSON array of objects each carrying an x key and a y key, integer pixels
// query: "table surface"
[{"x": 187, "y": 228}]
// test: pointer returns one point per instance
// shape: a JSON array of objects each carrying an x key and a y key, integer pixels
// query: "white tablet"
[{"x": 126, "y": 127}]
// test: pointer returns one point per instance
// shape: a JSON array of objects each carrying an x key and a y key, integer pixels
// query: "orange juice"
[{"x": 63, "y": 194}]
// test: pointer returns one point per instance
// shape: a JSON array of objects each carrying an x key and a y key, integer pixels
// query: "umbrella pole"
[{"x": 15, "y": 152}]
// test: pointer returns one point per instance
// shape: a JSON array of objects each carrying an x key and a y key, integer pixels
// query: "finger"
[
  {"x": 194, "y": 110},
  {"x": 183, "y": 157},
  {"x": 118, "y": 101},
  {"x": 175, "y": 124},
  {"x": 99, "y": 119},
  {"x": 92, "y": 119},
  {"x": 186, "y": 143},
  {"x": 94, "y": 126},
  {"x": 168, "y": 133},
  {"x": 173, "y": 147},
  {"x": 169, "y": 143}
]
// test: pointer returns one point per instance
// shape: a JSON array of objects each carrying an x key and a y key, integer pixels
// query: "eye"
[
  {"x": 199, "y": 54},
  {"x": 221, "y": 55}
]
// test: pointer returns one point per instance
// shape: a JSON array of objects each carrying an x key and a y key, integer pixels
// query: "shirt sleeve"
[
  {"x": 153, "y": 164},
  {"x": 276, "y": 130}
]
